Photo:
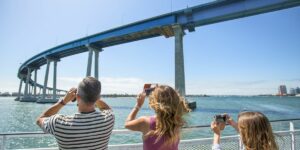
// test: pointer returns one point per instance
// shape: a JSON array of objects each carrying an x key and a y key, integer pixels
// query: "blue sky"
[{"x": 252, "y": 55}]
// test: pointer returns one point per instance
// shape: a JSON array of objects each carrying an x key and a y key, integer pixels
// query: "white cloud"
[{"x": 9, "y": 86}]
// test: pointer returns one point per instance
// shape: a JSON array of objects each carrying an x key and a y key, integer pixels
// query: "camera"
[
  {"x": 75, "y": 96},
  {"x": 148, "y": 88},
  {"x": 220, "y": 118}
]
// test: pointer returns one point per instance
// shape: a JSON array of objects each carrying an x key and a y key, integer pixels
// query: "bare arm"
[
  {"x": 133, "y": 114},
  {"x": 49, "y": 112},
  {"x": 54, "y": 109},
  {"x": 102, "y": 105},
  {"x": 217, "y": 132},
  {"x": 217, "y": 135},
  {"x": 234, "y": 125},
  {"x": 216, "y": 138},
  {"x": 231, "y": 122},
  {"x": 139, "y": 124}
]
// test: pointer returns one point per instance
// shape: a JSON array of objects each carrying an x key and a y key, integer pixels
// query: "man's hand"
[
  {"x": 140, "y": 99},
  {"x": 71, "y": 94},
  {"x": 102, "y": 105},
  {"x": 56, "y": 107}
]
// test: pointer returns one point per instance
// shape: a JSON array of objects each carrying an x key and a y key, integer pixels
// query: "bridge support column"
[
  {"x": 179, "y": 63},
  {"x": 46, "y": 91},
  {"x": 20, "y": 89},
  {"x": 54, "y": 80},
  {"x": 179, "y": 60},
  {"x": 35, "y": 81},
  {"x": 89, "y": 65},
  {"x": 97, "y": 62},
  {"x": 27, "y": 82},
  {"x": 28, "y": 89},
  {"x": 42, "y": 100}
]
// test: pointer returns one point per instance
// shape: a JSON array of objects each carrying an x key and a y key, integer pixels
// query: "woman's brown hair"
[
  {"x": 169, "y": 107},
  {"x": 256, "y": 131}
]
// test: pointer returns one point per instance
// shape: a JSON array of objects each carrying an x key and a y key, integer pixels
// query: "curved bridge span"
[{"x": 167, "y": 25}]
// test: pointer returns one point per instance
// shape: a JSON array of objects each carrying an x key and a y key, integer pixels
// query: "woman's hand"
[
  {"x": 140, "y": 99},
  {"x": 139, "y": 124},
  {"x": 231, "y": 122},
  {"x": 215, "y": 127}
]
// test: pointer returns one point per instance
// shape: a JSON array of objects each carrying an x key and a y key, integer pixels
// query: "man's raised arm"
[
  {"x": 102, "y": 105},
  {"x": 54, "y": 109}
]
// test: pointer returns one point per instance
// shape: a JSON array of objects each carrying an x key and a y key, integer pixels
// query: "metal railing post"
[
  {"x": 292, "y": 130},
  {"x": 240, "y": 143},
  {"x": 3, "y": 142}
]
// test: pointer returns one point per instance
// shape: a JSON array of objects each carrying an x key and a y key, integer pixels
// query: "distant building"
[
  {"x": 5, "y": 94},
  {"x": 282, "y": 90},
  {"x": 292, "y": 91},
  {"x": 297, "y": 90},
  {"x": 15, "y": 94}
]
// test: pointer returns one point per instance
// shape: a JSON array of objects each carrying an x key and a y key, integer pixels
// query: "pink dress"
[{"x": 149, "y": 142}]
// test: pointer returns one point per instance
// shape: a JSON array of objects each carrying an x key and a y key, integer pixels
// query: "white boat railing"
[{"x": 288, "y": 139}]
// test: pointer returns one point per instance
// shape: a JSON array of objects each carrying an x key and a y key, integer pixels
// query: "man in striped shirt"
[{"x": 87, "y": 129}]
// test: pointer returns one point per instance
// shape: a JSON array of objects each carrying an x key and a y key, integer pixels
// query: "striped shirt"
[{"x": 82, "y": 130}]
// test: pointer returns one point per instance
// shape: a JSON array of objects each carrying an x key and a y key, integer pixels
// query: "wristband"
[{"x": 137, "y": 107}]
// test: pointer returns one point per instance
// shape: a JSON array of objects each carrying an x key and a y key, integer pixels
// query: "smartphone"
[
  {"x": 148, "y": 88},
  {"x": 220, "y": 118}
]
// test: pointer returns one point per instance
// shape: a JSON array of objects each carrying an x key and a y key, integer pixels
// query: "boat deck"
[{"x": 287, "y": 137}]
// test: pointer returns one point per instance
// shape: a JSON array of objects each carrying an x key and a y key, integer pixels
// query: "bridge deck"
[{"x": 214, "y": 12}]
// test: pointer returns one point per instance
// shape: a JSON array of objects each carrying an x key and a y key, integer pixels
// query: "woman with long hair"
[
  {"x": 254, "y": 128},
  {"x": 162, "y": 131}
]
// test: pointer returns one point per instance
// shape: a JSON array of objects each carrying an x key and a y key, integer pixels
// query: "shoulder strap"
[{"x": 152, "y": 123}]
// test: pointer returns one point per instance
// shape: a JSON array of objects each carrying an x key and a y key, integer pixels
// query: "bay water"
[{"x": 20, "y": 116}]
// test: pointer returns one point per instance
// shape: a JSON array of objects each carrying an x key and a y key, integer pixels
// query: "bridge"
[{"x": 168, "y": 25}]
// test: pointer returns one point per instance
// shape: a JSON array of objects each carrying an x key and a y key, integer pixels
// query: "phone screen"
[
  {"x": 148, "y": 88},
  {"x": 219, "y": 118}
]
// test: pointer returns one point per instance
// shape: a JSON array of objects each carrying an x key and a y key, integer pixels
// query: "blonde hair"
[
  {"x": 169, "y": 107},
  {"x": 256, "y": 131}
]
